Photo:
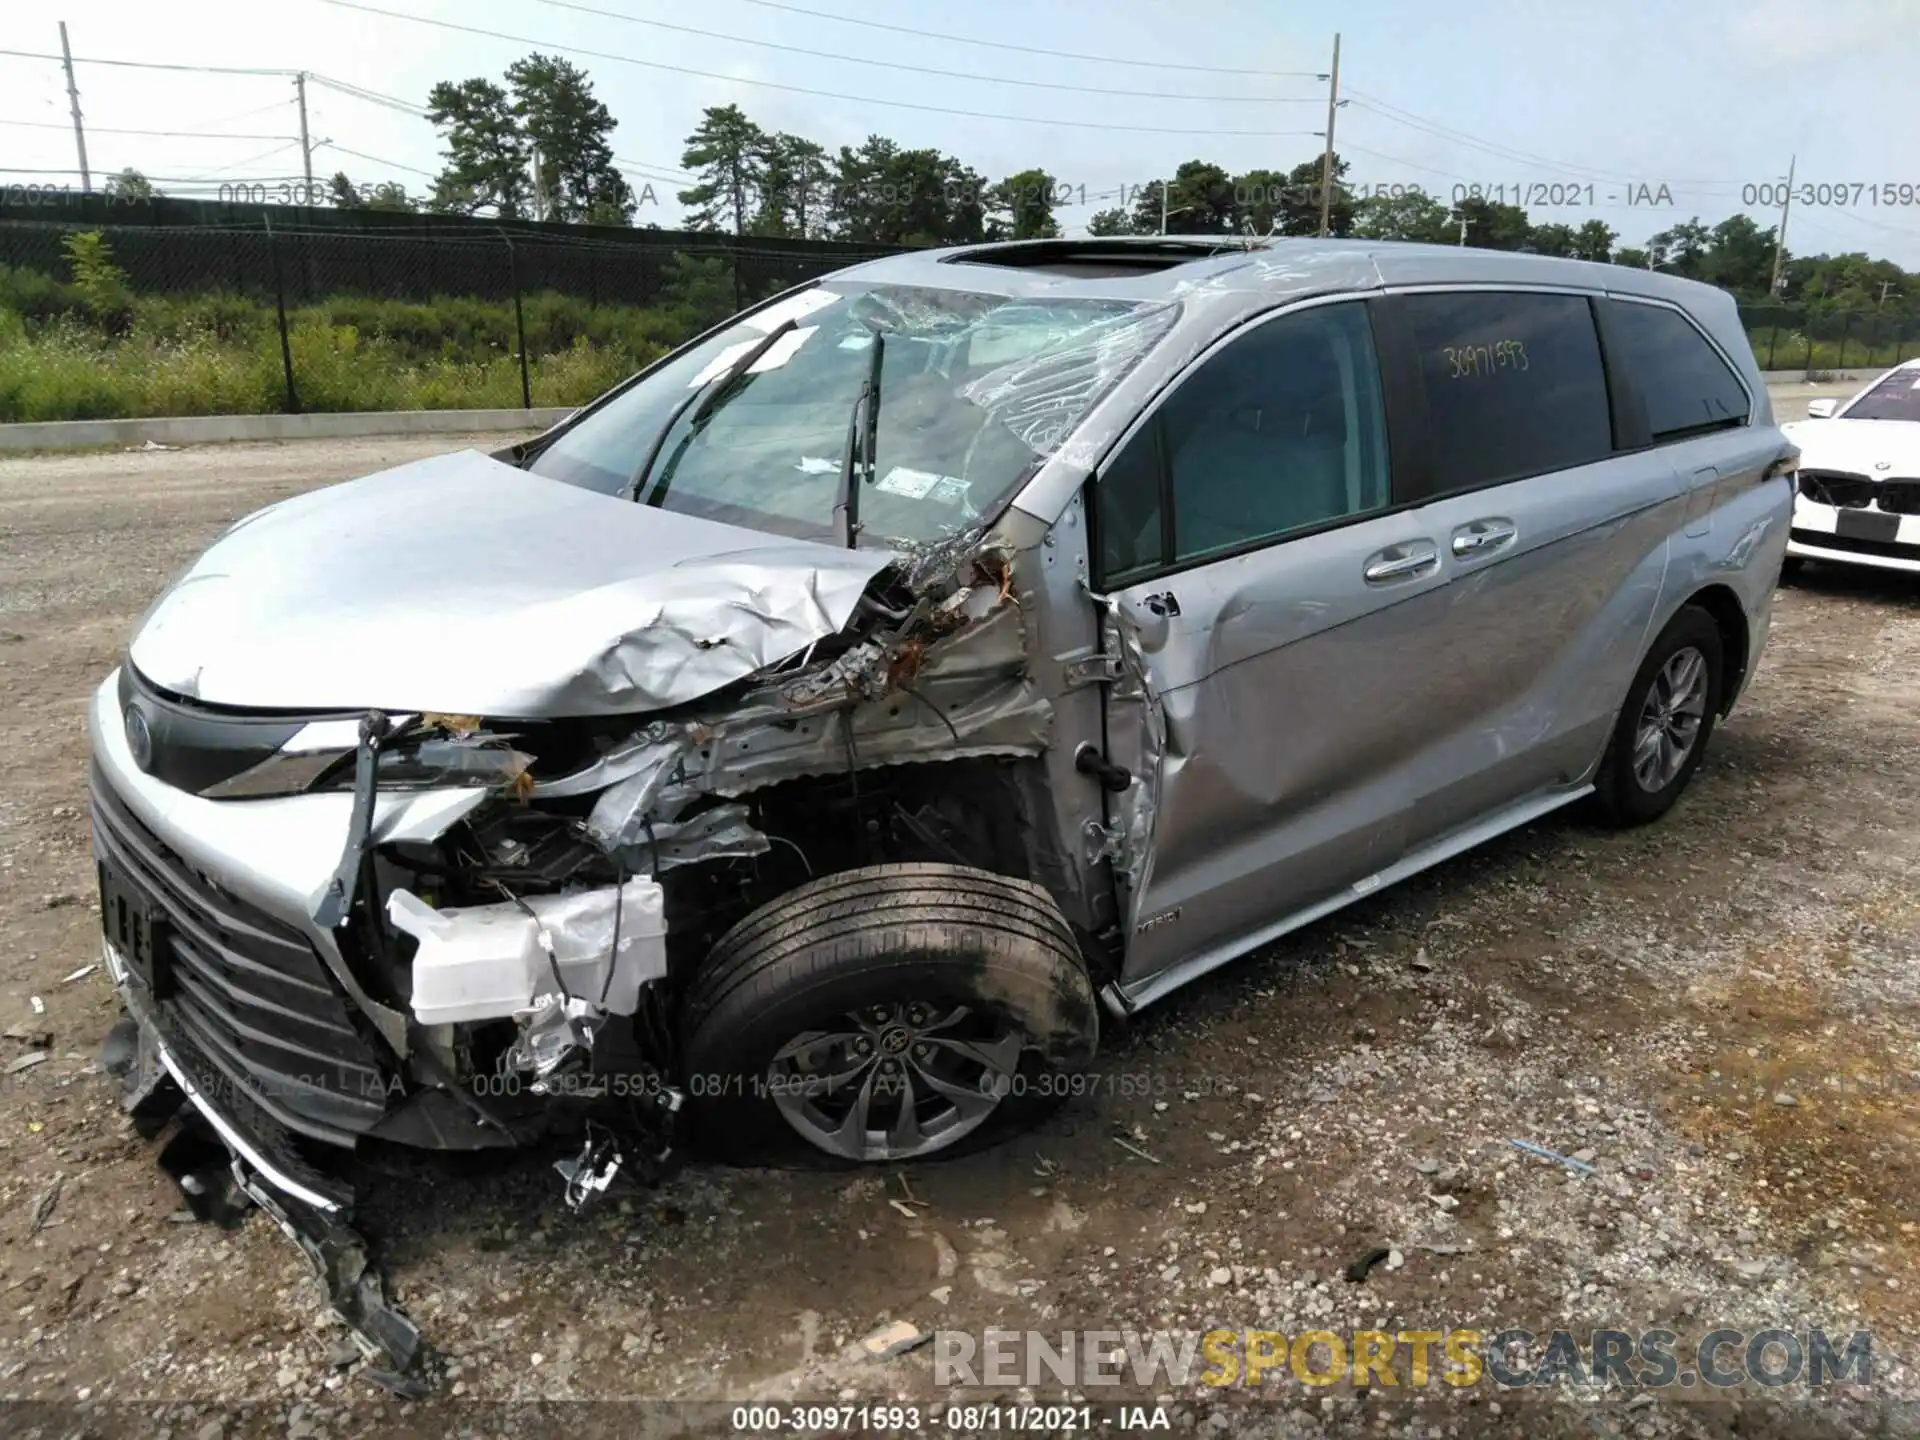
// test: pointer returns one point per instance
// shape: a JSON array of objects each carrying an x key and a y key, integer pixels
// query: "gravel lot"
[{"x": 1720, "y": 1013}]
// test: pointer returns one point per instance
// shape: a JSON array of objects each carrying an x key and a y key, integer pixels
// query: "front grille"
[
  {"x": 1825, "y": 540},
  {"x": 196, "y": 746},
  {"x": 1899, "y": 497},
  {"x": 1837, "y": 487},
  {"x": 248, "y": 991}
]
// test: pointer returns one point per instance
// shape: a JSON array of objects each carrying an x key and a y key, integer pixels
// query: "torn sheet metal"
[
  {"x": 1138, "y": 708},
  {"x": 724, "y": 832},
  {"x": 462, "y": 585},
  {"x": 654, "y": 750},
  {"x": 964, "y": 695},
  {"x": 619, "y": 817}
]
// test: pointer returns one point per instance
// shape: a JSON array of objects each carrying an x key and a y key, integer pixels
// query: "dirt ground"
[{"x": 1719, "y": 1015}]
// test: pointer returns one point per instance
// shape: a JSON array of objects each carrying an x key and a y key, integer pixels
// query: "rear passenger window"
[
  {"x": 1282, "y": 430},
  {"x": 1514, "y": 385},
  {"x": 1687, "y": 386}
]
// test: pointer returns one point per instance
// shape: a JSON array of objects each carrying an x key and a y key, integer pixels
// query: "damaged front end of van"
[{"x": 705, "y": 767}]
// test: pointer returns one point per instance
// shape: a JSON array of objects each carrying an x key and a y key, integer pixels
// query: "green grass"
[
  {"x": 67, "y": 372},
  {"x": 1789, "y": 351},
  {"x": 69, "y": 352}
]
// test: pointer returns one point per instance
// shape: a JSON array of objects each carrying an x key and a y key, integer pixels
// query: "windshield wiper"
[
  {"x": 863, "y": 430},
  {"x": 704, "y": 401}
]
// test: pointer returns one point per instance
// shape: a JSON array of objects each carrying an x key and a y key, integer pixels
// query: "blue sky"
[{"x": 1707, "y": 97}]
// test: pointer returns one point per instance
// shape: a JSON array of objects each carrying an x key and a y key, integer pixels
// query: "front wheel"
[
  {"x": 884, "y": 1014},
  {"x": 1664, "y": 727}
]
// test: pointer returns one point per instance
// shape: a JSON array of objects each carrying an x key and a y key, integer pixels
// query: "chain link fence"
[
  {"x": 1815, "y": 338},
  {"x": 201, "y": 310},
  {"x": 103, "y": 320}
]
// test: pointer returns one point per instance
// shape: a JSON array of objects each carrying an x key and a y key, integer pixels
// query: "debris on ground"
[
  {"x": 1358, "y": 1271},
  {"x": 43, "y": 1207},
  {"x": 895, "y": 1339},
  {"x": 1554, "y": 1155}
]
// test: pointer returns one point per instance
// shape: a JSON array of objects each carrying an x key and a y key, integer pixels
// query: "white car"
[{"x": 1859, "y": 497}]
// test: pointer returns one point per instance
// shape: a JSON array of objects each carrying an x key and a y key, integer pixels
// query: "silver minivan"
[{"x": 814, "y": 742}]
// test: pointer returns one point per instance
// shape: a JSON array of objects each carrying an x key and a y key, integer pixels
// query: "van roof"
[{"x": 1153, "y": 267}]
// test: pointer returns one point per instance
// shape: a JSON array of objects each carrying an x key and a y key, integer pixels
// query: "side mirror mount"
[{"x": 1821, "y": 409}]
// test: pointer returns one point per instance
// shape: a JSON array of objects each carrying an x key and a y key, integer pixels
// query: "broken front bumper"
[
  {"x": 248, "y": 1158},
  {"x": 246, "y": 980}
]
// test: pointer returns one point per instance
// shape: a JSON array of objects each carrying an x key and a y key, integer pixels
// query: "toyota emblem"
[{"x": 139, "y": 738}]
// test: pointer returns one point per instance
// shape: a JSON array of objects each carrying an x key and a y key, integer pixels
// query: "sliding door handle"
[
  {"x": 1405, "y": 561},
  {"x": 1477, "y": 537}
]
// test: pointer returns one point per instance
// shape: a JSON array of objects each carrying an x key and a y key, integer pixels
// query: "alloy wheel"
[
  {"x": 1670, "y": 719},
  {"x": 895, "y": 1081}
]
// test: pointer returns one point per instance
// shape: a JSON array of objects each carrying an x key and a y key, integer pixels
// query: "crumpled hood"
[
  {"x": 1859, "y": 446},
  {"x": 462, "y": 585}
]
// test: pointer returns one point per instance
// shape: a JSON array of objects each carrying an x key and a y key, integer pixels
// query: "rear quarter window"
[
  {"x": 1687, "y": 386},
  {"x": 1514, "y": 385}
]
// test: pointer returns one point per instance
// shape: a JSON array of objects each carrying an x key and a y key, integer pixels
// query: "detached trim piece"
[
  {"x": 235, "y": 1140},
  {"x": 239, "y": 1143}
]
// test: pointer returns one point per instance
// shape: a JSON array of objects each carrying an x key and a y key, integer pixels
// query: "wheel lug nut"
[{"x": 921, "y": 1052}]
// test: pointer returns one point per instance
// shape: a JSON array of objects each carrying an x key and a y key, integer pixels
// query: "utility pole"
[
  {"x": 306, "y": 150},
  {"x": 73, "y": 100},
  {"x": 1780, "y": 240},
  {"x": 1163, "y": 207},
  {"x": 1326, "y": 164},
  {"x": 1463, "y": 230}
]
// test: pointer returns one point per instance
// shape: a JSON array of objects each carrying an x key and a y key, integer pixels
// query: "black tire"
[
  {"x": 1790, "y": 568},
  {"x": 901, "y": 937},
  {"x": 1621, "y": 797}
]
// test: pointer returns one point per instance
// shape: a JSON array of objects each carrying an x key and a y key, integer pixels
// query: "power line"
[
  {"x": 667, "y": 172},
  {"x": 249, "y": 114},
  {"x": 148, "y": 64},
  {"x": 920, "y": 34},
  {"x": 375, "y": 159},
  {"x": 214, "y": 179},
  {"x": 1412, "y": 121},
  {"x": 252, "y": 158},
  {"x": 360, "y": 92},
  {"x": 171, "y": 134},
  {"x": 802, "y": 89},
  {"x": 928, "y": 69}
]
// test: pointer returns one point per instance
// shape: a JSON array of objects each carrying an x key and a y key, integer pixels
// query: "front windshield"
[
  {"x": 974, "y": 390},
  {"x": 1895, "y": 396}
]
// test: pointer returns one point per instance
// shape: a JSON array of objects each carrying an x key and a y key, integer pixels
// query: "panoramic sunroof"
[{"x": 1101, "y": 258}]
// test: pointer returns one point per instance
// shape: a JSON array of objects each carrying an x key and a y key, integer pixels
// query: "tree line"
[{"x": 538, "y": 144}]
